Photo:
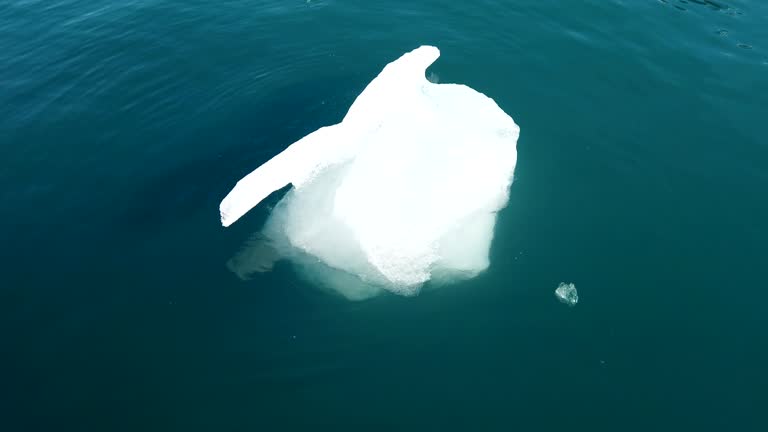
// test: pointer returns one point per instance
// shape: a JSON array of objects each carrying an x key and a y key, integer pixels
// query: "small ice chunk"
[{"x": 566, "y": 293}]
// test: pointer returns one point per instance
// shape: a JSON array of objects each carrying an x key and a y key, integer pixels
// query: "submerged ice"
[
  {"x": 404, "y": 190},
  {"x": 566, "y": 293}
]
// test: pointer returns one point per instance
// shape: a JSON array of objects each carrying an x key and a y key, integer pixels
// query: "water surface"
[{"x": 642, "y": 176}]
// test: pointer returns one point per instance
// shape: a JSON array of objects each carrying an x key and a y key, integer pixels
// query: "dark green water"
[{"x": 641, "y": 177}]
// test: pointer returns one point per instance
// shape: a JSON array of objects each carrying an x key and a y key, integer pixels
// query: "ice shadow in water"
[{"x": 257, "y": 255}]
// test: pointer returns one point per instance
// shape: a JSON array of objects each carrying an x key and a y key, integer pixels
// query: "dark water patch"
[{"x": 268, "y": 126}]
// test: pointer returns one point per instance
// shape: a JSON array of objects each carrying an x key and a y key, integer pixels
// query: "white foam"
[{"x": 405, "y": 187}]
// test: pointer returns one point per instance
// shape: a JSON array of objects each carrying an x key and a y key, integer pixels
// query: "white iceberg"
[{"x": 404, "y": 190}]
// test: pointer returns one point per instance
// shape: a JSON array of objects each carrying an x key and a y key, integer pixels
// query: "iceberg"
[{"x": 404, "y": 190}]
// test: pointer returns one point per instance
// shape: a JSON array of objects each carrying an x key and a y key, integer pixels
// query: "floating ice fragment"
[
  {"x": 404, "y": 190},
  {"x": 567, "y": 294}
]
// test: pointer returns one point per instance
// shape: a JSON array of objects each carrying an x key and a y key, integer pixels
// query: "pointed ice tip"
[
  {"x": 226, "y": 215},
  {"x": 410, "y": 65},
  {"x": 429, "y": 49},
  {"x": 224, "y": 221},
  {"x": 427, "y": 54}
]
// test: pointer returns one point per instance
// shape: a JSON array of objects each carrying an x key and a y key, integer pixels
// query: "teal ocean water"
[{"x": 642, "y": 178}]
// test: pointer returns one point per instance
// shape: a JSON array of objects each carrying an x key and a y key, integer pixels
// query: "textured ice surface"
[
  {"x": 567, "y": 294},
  {"x": 405, "y": 189}
]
